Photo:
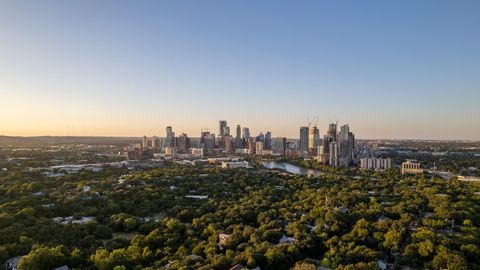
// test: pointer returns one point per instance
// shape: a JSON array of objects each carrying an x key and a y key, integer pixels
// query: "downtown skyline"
[{"x": 391, "y": 70}]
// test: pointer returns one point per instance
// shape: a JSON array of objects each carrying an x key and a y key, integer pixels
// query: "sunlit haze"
[{"x": 390, "y": 69}]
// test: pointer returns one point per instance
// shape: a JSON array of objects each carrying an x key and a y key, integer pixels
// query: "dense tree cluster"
[{"x": 136, "y": 219}]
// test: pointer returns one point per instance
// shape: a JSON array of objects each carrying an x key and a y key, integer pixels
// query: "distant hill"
[{"x": 14, "y": 140}]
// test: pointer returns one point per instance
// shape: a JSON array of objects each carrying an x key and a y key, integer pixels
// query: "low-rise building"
[
  {"x": 223, "y": 238},
  {"x": 234, "y": 164},
  {"x": 410, "y": 166},
  {"x": 197, "y": 152},
  {"x": 170, "y": 151},
  {"x": 11, "y": 264}
]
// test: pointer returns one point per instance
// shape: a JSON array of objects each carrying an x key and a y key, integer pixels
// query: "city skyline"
[{"x": 404, "y": 70}]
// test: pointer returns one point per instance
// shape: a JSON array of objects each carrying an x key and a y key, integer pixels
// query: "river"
[{"x": 291, "y": 168}]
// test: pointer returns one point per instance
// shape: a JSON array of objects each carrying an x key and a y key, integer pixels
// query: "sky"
[{"x": 389, "y": 69}]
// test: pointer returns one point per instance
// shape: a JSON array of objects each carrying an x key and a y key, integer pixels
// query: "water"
[{"x": 290, "y": 168}]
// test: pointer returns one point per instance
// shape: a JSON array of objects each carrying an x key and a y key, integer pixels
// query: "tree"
[
  {"x": 392, "y": 240},
  {"x": 449, "y": 260},
  {"x": 425, "y": 248},
  {"x": 42, "y": 257},
  {"x": 304, "y": 266}
]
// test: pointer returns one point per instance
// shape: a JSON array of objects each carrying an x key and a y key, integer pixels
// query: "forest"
[{"x": 204, "y": 217}]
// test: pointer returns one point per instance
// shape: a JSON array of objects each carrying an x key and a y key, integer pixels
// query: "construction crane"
[{"x": 313, "y": 121}]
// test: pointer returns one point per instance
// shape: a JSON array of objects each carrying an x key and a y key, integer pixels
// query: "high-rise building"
[
  {"x": 246, "y": 134},
  {"x": 313, "y": 137},
  {"x": 279, "y": 146},
  {"x": 238, "y": 138},
  {"x": 250, "y": 145},
  {"x": 334, "y": 156},
  {"x": 345, "y": 146},
  {"x": 258, "y": 147},
  {"x": 268, "y": 140},
  {"x": 323, "y": 155},
  {"x": 303, "y": 143},
  {"x": 260, "y": 137},
  {"x": 223, "y": 130},
  {"x": 183, "y": 143},
  {"x": 144, "y": 142},
  {"x": 210, "y": 142},
  {"x": 229, "y": 146},
  {"x": 155, "y": 142},
  {"x": 332, "y": 130},
  {"x": 376, "y": 163},
  {"x": 169, "y": 138}
]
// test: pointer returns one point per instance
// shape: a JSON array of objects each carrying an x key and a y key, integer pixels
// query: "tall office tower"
[
  {"x": 303, "y": 144},
  {"x": 250, "y": 145},
  {"x": 246, "y": 134},
  {"x": 210, "y": 142},
  {"x": 183, "y": 143},
  {"x": 203, "y": 136},
  {"x": 260, "y": 137},
  {"x": 144, "y": 142},
  {"x": 322, "y": 155},
  {"x": 238, "y": 138},
  {"x": 333, "y": 160},
  {"x": 355, "y": 148},
  {"x": 279, "y": 146},
  {"x": 224, "y": 130},
  {"x": 229, "y": 146},
  {"x": 351, "y": 140},
  {"x": 169, "y": 138},
  {"x": 259, "y": 147},
  {"x": 268, "y": 140},
  {"x": 332, "y": 131},
  {"x": 344, "y": 131},
  {"x": 345, "y": 154},
  {"x": 328, "y": 138},
  {"x": 313, "y": 137},
  {"x": 155, "y": 142}
]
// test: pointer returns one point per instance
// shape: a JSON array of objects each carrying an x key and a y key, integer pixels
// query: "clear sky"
[{"x": 390, "y": 69}]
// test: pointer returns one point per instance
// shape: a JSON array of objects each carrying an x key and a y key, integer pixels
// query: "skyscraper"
[
  {"x": 332, "y": 131},
  {"x": 155, "y": 142},
  {"x": 279, "y": 146},
  {"x": 210, "y": 142},
  {"x": 238, "y": 137},
  {"x": 183, "y": 143},
  {"x": 144, "y": 142},
  {"x": 223, "y": 130},
  {"x": 260, "y": 137},
  {"x": 246, "y": 134},
  {"x": 229, "y": 146},
  {"x": 333, "y": 154},
  {"x": 345, "y": 146},
  {"x": 250, "y": 146},
  {"x": 313, "y": 137},
  {"x": 169, "y": 138},
  {"x": 303, "y": 144},
  {"x": 268, "y": 140}
]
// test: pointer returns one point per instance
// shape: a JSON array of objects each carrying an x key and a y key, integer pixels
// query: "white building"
[
  {"x": 376, "y": 163},
  {"x": 333, "y": 154},
  {"x": 234, "y": 164},
  {"x": 197, "y": 152},
  {"x": 170, "y": 151},
  {"x": 411, "y": 167}
]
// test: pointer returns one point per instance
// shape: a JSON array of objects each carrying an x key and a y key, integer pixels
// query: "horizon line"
[{"x": 141, "y": 136}]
